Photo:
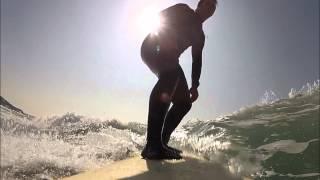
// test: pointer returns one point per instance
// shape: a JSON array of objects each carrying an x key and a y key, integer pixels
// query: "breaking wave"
[{"x": 258, "y": 141}]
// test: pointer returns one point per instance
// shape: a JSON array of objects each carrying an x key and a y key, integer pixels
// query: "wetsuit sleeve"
[{"x": 197, "y": 48}]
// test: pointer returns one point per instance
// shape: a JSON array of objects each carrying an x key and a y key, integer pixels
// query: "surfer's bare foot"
[{"x": 159, "y": 153}]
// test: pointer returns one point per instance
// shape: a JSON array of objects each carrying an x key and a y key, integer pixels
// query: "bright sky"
[{"x": 84, "y": 56}]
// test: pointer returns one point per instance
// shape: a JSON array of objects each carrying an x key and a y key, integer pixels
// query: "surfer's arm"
[{"x": 197, "y": 61}]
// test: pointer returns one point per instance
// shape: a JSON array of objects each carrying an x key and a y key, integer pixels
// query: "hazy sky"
[{"x": 79, "y": 56}]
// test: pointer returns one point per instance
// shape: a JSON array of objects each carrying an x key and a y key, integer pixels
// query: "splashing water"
[
  {"x": 275, "y": 139},
  {"x": 269, "y": 97}
]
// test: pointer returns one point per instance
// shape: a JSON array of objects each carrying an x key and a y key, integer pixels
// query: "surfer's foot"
[
  {"x": 177, "y": 151},
  {"x": 159, "y": 153}
]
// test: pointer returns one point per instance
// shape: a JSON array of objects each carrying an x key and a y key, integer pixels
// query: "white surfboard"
[{"x": 135, "y": 168}]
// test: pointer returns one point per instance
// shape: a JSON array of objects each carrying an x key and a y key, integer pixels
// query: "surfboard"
[{"x": 136, "y": 168}]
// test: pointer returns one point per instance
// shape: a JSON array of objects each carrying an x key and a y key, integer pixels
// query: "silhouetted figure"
[{"x": 182, "y": 28}]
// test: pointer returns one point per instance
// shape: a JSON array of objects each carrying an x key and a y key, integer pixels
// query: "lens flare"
[{"x": 149, "y": 21}]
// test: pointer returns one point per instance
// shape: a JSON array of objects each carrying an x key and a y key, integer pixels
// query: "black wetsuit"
[{"x": 181, "y": 29}]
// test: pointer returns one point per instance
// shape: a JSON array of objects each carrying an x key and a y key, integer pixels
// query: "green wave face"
[{"x": 279, "y": 140}]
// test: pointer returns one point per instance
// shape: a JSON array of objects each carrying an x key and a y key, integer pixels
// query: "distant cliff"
[{"x": 5, "y": 103}]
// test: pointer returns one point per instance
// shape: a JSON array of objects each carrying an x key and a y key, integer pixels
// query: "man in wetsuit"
[{"x": 181, "y": 28}]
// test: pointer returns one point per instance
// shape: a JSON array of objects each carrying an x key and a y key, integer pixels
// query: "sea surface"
[{"x": 277, "y": 138}]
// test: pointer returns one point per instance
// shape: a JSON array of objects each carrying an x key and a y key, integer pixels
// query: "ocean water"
[{"x": 277, "y": 138}]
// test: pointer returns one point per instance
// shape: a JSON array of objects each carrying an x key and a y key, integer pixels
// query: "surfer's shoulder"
[
  {"x": 182, "y": 5},
  {"x": 178, "y": 7}
]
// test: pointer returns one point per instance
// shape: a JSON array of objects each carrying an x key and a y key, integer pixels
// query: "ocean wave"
[{"x": 256, "y": 141}]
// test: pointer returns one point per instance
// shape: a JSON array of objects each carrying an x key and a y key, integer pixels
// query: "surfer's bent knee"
[{"x": 165, "y": 97}]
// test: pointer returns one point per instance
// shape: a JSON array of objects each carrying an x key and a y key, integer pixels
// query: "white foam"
[{"x": 287, "y": 146}]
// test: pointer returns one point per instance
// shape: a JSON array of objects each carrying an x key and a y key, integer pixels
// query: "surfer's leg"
[
  {"x": 159, "y": 103},
  {"x": 157, "y": 111},
  {"x": 181, "y": 106}
]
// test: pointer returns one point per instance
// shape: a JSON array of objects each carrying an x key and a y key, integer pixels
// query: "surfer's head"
[{"x": 206, "y": 8}]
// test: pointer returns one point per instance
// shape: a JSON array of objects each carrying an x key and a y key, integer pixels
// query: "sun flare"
[{"x": 148, "y": 21}]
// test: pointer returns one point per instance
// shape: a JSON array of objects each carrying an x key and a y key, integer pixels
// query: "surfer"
[{"x": 160, "y": 51}]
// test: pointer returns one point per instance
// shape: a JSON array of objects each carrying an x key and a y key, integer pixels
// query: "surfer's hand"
[{"x": 194, "y": 94}]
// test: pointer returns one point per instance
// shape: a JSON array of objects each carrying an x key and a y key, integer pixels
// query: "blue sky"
[{"x": 84, "y": 56}]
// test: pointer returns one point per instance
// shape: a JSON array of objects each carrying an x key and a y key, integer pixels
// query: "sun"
[
  {"x": 142, "y": 17},
  {"x": 148, "y": 21}
]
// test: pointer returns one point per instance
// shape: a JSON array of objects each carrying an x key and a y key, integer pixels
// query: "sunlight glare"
[{"x": 149, "y": 21}]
